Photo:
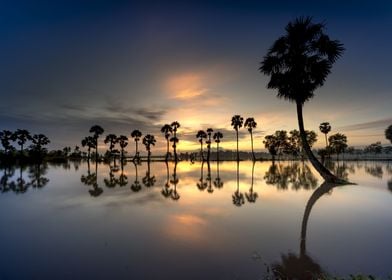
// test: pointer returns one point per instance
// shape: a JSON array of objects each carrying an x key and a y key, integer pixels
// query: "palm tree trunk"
[
  {"x": 201, "y": 151},
  {"x": 238, "y": 155},
  {"x": 167, "y": 149},
  {"x": 326, "y": 141},
  {"x": 324, "y": 172},
  {"x": 217, "y": 152},
  {"x": 251, "y": 141}
]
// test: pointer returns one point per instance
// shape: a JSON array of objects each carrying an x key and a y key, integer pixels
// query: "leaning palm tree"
[
  {"x": 201, "y": 134},
  {"x": 136, "y": 134},
  {"x": 217, "y": 137},
  {"x": 236, "y": 123},
  {"x": 22, "y": 136},
  {"x": 167, "y": 131},
  {"x": 325, "y": 128},
  {"x": 388, "y": 133},
  {"x": 175, "y": 125},
  {"x": 208, "y": 142},
  {"x": 250, "y": 124},
  {"x": 97, "y": 130},
  {"x": 298, "y": 63},
  {"x": 149, "y": 140},
  {"x": 123, "y": 142}
]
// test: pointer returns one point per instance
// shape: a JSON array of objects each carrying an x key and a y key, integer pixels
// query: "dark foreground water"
[{"x": 76, "y": 221}]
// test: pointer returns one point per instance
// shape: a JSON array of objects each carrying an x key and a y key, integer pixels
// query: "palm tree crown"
[
  {"x": 325, "y": 127},
  {"x": 388, "y": 133},
  {"x": 300, "y": 61},
  {"x": 237, "y": 122},
  {"x": 250, "y": 124}
]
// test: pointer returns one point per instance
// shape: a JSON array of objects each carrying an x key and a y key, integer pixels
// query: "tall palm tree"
[
  {"x": 299, "y": 63},
  {"x": 136, "y": 134},
  {"x": 88, "y": 142},
  {"x": 325, "y": 128},
  {"x": 175, "y": 125},
  {"x": 97, "y": 130},
  {"x": 123, "y": 142},
  {"x": 21, "y": 136},
  {"x": 388, "y": 133},
  {"x": 250, "y": 124},
  {"x": 149, "y": 140},
  {"x": 6, "y": 137},
  {"x": 111, "y": 139},
  {"x": 217, "y": 137},
  {"x": 208, "y": 142},
  {"x": 167, "y": 131},
  {"x": 236, "y": 123},
  {"x": 201, "y": 134}
]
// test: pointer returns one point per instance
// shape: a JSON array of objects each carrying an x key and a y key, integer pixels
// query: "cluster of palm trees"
[
  {"x": 207, "y": 136},
  {"x": 237, "y": 122}
]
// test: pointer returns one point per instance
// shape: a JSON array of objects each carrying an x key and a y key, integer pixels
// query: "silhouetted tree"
[
  {"x": 123, "y": 142},
  {"x": 375, "y": 148},
  {"x": 149, "y": 140},
  {"x": 250, "y": 124},
  {"x": 338, "y": 143},
  {"x": 21, "y": 136},
  {"x": 136, "y": 134},
  {"x": 201, "y": 134},
  {"x": 97, "y": 130},
  {"x": 388, "y": 133},
  {"x": 111, "y": 139},
  {"x": 88, "y": 142},
  {"x": 167, "y": 131},
  {"x": 208, "y": 142},
  {"x": 217, "y": 137},
  {"x": 236, "y": 123},
  {"x": 6, "y": 137},
  {"x": 175, "y": 125},
  {"x": 299, "y": 63},
  {"x": 271, "y": 144},
  {"x": 325, "y": 128},
  {"x": 39, "y": 141}
]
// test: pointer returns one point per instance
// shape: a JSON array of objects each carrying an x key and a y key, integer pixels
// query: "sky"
[{"x": 125, "y": 65}]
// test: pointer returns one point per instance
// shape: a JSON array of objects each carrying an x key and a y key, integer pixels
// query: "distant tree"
[
  {"x": 237, "y": 122},
  {"x": 217, "y": 137},
  {"x": 39, "y": 141},
  {"x": 148, "y": 141},
  {"x": 201, "y": 134},
  {"x": 88, "y": 142},
  {"x": 97, "y": 130},
  {"x": 136, "y": 134},
  {"x": 66, "y": 151},
  {"x": 250, "y": 124},
  {"x": 167, "y": 131},
  {"x": 374, "y": 148},
  {"x": 22, "y": 136},
  {"x": 299, "y": 63},
  {"x": 6, "y": 137},
  {"x": 325, "y": 128},
  {"x": 208, "y": 142},
  {"x": 338, "y": 143},
  {"x": 388, "y": 133},
  {"x": 272, "y": 145},
  {"x": 123, "y": 142},
  {"x": 175, "y": 125}
]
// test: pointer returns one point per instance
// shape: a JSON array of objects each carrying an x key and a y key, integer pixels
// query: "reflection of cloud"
[
  {"x": 383, "y": 123},
  {"x": 186, "y": 227}
]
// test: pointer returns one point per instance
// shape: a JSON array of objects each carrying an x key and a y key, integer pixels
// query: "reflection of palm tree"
[
  {"x": 112, "y": 181},
  {"x": 325, "y": 128},
  {"x": 251, "y": 196},
  {"x": 201, "y": 185},
  {"x": 4, "y": 180},
  {"x": 201, "y": 134},
  {"x": 175, "y": 125},
  {"x": 136, "y": 134},
  {"x": 167, "y": 131},
  {"x": 91, "y": 180},
  {"x": 175, "y": 195},
  {"x": 136, "y": 184},
  {"x": 166, "y": 190},
  {"x": 209, "y": 183},
  {"x": 250, "y": 124},
  {"x": 22, "y": 136},
  {"x": 236, "y": 123},
  {"x": 21, "y": 185},
  {"x": 122, "y": 179},
  {"x": 148, "y": 180},
  {"x": 97, "y": 130},
  {"x": 217, "y": 137},
  {"x": 298, "y": 64},
  {"x": 37, "y": 173},
  {"x": 238, "y": 197},
  {"x": 218, "y": 182}
]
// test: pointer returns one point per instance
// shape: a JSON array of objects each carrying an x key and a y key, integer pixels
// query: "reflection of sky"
[
  {"x": 122, "y": 233},
  {"x": 68, "y": 65}
]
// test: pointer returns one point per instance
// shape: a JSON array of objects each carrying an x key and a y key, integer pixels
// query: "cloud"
[{"x": 378, "y": 124}]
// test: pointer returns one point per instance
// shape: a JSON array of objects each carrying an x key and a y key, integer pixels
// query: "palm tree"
[
  {"x": 175, "y": 125},
  {"x": 149, "y": 140},
  {"x": 299, "y": 63},
  {"x": 112, "y": 140},
  {"x": 250, "y": 124},
  {"x": 136, "y": 134},
  {"x": 217, "y": 137},
  {"x": 123, "y": 142},
  {"x": 338, "y": 143},
  {"x": 236, "y": 123},
  {"x": 208, "y": 142},
  {"x": 39, "y": 141},
  {"x": 325, "y": 128},
  {"x": 88, "y": 141},
  {"x": 388, "y": 133},
  {"x": 22, "y": 136},
  {"x": 167, "y": 131},
  {"x": 5, "y": 137},
  {"x": 97, "y": 130},
  {"x": 201, "y": 134}
]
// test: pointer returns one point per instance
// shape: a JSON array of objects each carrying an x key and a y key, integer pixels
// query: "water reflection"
[
  {"x": 170, "y": 188},
  {"x": 136, "y": 186},
  {"x": 91, "y": 179}
]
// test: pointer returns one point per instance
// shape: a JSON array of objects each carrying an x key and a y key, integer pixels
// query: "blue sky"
[{"x": 66, "y": 65}]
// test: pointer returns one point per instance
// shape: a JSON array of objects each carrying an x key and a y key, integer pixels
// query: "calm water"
[{"x": 187, "y": 222}]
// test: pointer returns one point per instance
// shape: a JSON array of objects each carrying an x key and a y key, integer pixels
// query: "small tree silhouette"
[
  {"x": 136, "y": 134},
  {"x": 201, "y": 134},
  {"x": 167, "y": 131},
  {"x": 148, "y": 141},
  {"x": 97, "y": 130},
  {"x": 250, "y": 124},
  {"x": 236, "y": 123}
]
